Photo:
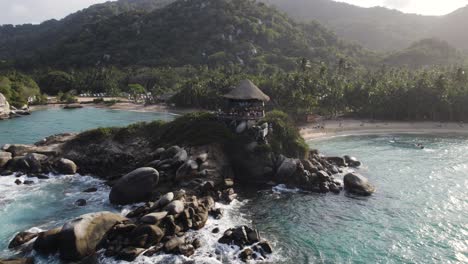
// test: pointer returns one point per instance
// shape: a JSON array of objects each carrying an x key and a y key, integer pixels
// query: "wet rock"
[
  {"x": 18, "y": 182},
  {"x": 5, "y": 157},
  {"x": 187, "y": 170},
  {"x": 170, "y": 152},
  {"x": 130, "y": 253},
  {"x": 228, "y": 183},
  {"x": 19, "y": 149},
  {"x": 80, "y": 237},
  {"x": 27, "y": 182},
  {"x": 358, "y": 184},
  {"x": 196, "y": 243},
  {"x": 66, "y": 166},
  {"x": 338, "y": 161},
  {"x": 6, "y": 173},
  {"x": 146, "y": 236},
  {"x": 323, "y": 175},
  {"x": 48, "y": 242},
  {"x": 352, "y": 161},
  {"x": 81, "y": 202},
  {"x": 164, "y": 200},
  {"x": 215, "y": 230},
  {"x": 157, "y": 153},
  {"x": 153, "y": 250},
  {"x": 153, "y": 218},
  {"x": 186, "y": 250},
  {"x": 172, "y": 244},
  {"x": 19, "y": 163},
  {"x": 217, "y": 213},
  {"x": 334, "y": 188},
  {"x": 22, "y": 238},
  {"x": 202, "y": 158},
  {"x": 286, "y": 170},
  {"x": 90, "y": 190},
  {"x": 137, "y": 186},
  {"x": 175, "y": 207},
  {"x": 35, "y": 161},
  {"x": 180, "y": 157},
  {"x": 266, "y": 247},
  {"x": 246, "y": 254}
]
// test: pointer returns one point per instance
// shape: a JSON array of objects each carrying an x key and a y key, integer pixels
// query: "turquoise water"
[
  {"x": 419, "y": 213},
  {"x": 43, "y": 123}
]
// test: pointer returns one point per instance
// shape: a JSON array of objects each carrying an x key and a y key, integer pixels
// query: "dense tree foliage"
[
  {"x": 194, "y": 51},
  {"x": 195, "y": 32},
  {"x": 426, "y": 52},
  {"x": 18, "y": 87}
]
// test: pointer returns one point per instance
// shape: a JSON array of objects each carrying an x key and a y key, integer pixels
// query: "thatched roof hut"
[{"x": 246, "y": 90}]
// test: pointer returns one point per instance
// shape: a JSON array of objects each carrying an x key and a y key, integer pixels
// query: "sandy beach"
[
  {"x": 123, "y": 104},
  {"x": 347, "y": 127}
]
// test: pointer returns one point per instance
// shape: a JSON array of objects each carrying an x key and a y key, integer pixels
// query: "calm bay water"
[
  {"x": 43, "y": 123},
  {"x": 418, "y": 215}
]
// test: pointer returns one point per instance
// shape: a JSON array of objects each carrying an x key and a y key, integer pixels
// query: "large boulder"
[
  {"x": 19, "y": 149},
  {"x": 48, "y": 242},
  {"x": 19, "y": 163},
  {"x": 5, "y": 157},
  {"x": 137, "y": 186},
  {"x": 35, "y": 161},
  {"x": 358, "y": 184},
  {"x": 4, "y": 107},
  {"x": 66, "y": 166},
  {"x": 352, "y": 161},
  {"x": 80, "y": 237},
  {"x": 338, "y": 161},
  {"x": 286, "y": 170}
]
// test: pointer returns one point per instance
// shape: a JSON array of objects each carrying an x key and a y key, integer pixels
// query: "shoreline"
[
  {"x": 124, "y": 106},
  {"x": 353, "y": 127}
]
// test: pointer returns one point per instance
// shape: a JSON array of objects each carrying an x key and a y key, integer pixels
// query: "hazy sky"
[
  {"x": 36, "y": 11},
  {"x": 424, "y": 7}
]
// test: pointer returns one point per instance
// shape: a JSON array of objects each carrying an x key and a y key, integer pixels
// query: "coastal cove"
[{"x": 419, "y": 197}]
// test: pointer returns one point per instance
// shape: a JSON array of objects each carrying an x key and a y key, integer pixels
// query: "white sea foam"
[
  {"x": 71, "y": 187},
  {"x": 281, "y": 188}
]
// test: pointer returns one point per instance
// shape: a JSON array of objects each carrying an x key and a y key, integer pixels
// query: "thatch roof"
[{"x": 247, "y": 91}]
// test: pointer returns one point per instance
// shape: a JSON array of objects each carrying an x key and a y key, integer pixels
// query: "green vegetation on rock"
[{"x": 17, "y": 88}]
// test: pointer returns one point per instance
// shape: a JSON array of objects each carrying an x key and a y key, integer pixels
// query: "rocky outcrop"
[
  {"x": 137, "y": 186},
  {"x": 78, "y": 238},
  {"x": 21, "y": 239},
  {"x": 5, "y": 157},
  {"x": 250, "y": 242},
  {"x": 65, "y": 166},
  {"x": 358, "y": 184},
  {"x": 160, "y": 226},
  {"x": 4, "y": 107}
]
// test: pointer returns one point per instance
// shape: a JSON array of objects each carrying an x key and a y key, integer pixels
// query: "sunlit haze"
[
  {"x": 423, "y": 7},
  {"x": 37, "y": 11}
]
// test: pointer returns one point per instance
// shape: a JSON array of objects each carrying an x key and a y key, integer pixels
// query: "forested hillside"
[
  {"x": 426, "y": 52},
  {"x": 198, "y": 50},
  {"x": 195, "y": 32},
  {"x": 378, "y": 28}
]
